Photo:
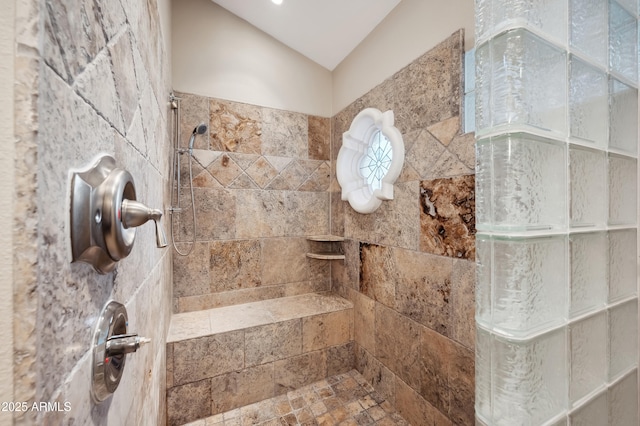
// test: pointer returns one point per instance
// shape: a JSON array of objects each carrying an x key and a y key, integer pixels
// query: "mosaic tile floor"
[{"x": 346, "y": 399}]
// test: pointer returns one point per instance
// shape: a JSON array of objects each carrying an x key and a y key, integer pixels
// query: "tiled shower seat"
[{"x": 228, "y": 357}]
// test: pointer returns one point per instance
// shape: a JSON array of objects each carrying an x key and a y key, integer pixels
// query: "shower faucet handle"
[
  {"x": 134, "y": 213},
  {"x": 124, "y": 344}
]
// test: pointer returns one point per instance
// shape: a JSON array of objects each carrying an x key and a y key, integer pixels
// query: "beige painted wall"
[
  {"x": 411, "y": 29},
  {"x": 7, "y": 141},
  {"x": 218, "y": 55}
]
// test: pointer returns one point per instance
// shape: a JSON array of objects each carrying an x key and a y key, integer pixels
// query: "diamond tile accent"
[{"x": 224, "y": 169}]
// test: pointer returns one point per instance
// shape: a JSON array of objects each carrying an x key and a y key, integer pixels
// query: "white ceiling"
[{"x": 325, "y": 31}]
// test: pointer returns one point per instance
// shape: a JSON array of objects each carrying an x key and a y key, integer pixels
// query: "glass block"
[
  {"x": 630, "y": 5},
  {"x": 529, "y": 82},
  {"x": 623, "y": 178},
  {"x": 548, "y": 16},
  {"x": 623, "y": 117},
  {"x": 623, "y": 401},
  {"x": 593, "y": 413},
  {"x": 483, "y": 87},
  {"x": 623, "y": 338},
  {"x": 588, "y": 103},
  {"x": 589, "y": 262},
  {"x": 623, "y": 42},
  {"x": 483, "y": 279},
  {"x": 483, "y": 374},
  {"x": 588, "y": 28},
  {"x": 483, "y": 188},
  {"x": 529, "y": 284},
  {"x": 588, "y": 356},
  {"x": 484, "y": 21},
  {"x": 529, "y": 183},
  {"x": 530, "y": 379},
  {"x": 622, "y": 264},
  {"x": 588, "y": 180}
]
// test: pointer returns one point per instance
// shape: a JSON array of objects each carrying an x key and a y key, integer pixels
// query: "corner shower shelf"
[{"x": 326, "y": 255}]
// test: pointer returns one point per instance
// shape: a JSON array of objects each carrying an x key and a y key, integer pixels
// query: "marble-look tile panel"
[
  {"x": 240, "y": 388},
  {"x": 337, "y": 212},
  {"x": 242, "y": 316},
  {"x": 416, "y": 409},
  {"x": 319, "y": 180},
  {"x": 395, "y": 223},
  {"x": 447, "y": 217},
  {"x": 191, "y": 273},
  {"x": 424, "y": 152},
  {"x": 194, "y": 110},
  {"x": 340, "y": 359},
  {"x": 192, "y": 360},
  {"x": 121, "y": 54},
  {"x": 234, "y": 264},
  {"x": 260, "y": 214},
  {"x": 188, "y": 402},
  {"x": 311, "y": 215},
  {"x": 446, "y": 130},
  {"x": 464, "y": 147},
  {"x": 319, "y": 137},
  {"x": 226, "y": 298},
  {"x": 262, "y": 172},
  {"x": 284, "y": 260},
  {"x": 215, "y": 215},
  {"x": 325, "y": 330},
  {"x": 290, "y": 178},
  {"x": 364, "y": 321},
  {"x": 272, "y": 342},
  {"x": 224, "y": 169},
  {"x": 296, "y": 289},
  {"x": 296, "y": 372},
  {"x": 347, "y": 273},
  {"x": 78, "y": 33},
  {"x": 448, "y": 165},
  {"x": 378, "y": 273},
  {"x": 435, "y": 356},
  {"x": 284, "y": 133},
  {"x": 382, "y": 379},
  {"x": 463, "y": 279},
  {"x": 462, "y": 385},
  {"x": 188, "y": 326},
  {"x": 423, "y": 289},
  {"x": 398, "y": 344},
  {"x": 235, "y": 127}
]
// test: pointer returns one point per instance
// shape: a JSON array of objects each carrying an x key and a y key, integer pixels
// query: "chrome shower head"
[{"x": 200, "y": 129}]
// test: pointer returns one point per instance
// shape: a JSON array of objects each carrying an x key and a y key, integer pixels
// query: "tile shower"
[
  {"x": 264, "y": 181},
  {"x": 557, "y": 125}
]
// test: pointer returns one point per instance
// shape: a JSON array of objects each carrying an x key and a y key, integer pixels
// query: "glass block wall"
[{"x": 556, "y": 208}]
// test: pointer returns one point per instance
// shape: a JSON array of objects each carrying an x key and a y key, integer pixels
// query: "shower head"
[{"x": 200, "y": 129}]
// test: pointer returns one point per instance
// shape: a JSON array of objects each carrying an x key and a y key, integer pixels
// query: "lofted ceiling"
[{"x": 325, "y": 31}]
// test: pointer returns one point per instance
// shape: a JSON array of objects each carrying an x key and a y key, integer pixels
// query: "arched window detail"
[{"x": 370, "y": 160}]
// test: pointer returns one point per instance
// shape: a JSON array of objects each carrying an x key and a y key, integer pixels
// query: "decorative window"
[{"x": 370, "y": 160}]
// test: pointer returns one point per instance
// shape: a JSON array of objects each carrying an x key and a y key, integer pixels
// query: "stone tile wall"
[
  {"x": 409, "y": 267},
  {"x": 261, "y": 180},
  {"x": 92, "y": 78}
]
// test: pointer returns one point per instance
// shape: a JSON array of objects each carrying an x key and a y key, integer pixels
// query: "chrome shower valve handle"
[{"x": 105, "y": 213}]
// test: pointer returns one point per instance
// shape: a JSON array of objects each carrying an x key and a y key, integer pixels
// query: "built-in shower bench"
[{"x": 228, "y": 357}]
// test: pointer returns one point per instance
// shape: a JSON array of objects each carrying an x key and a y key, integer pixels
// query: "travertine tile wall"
[
  {"x": 261, "y": 179},
  {"x": 92, "y": 78},
  {"x": 409, "y": 267}
]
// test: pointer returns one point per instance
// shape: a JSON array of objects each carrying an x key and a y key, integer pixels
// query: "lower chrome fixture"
[
  {"x": 111, "y": 344},
  {"x": 105, "y": 213}
]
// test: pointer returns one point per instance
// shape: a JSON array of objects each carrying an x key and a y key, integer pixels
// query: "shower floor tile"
[{"x": 344, "y": 399}]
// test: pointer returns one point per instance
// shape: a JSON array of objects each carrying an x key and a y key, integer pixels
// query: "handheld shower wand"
[{"x": 200, "y": 129}]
